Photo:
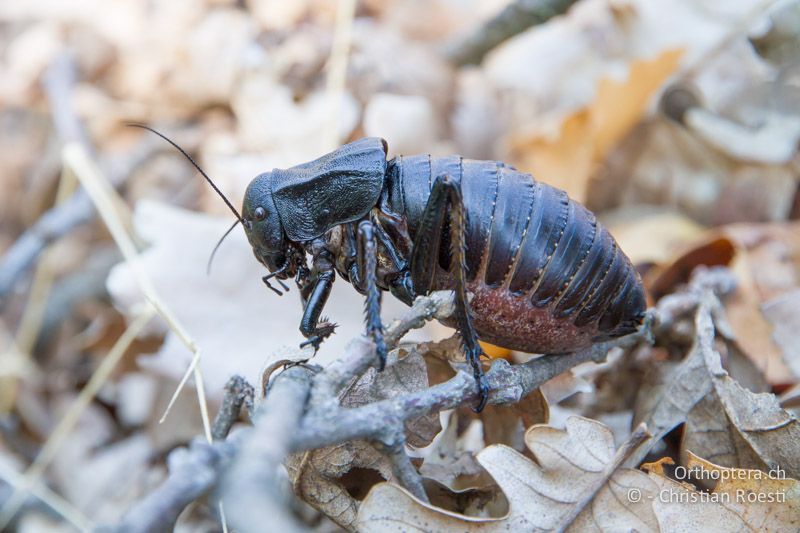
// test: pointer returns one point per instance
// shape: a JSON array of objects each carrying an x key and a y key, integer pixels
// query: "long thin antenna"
[
  {"x": 219, "y": 242},
  {"x": 181, "y": 150}
]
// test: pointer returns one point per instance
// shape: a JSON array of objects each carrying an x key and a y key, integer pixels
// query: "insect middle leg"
[
  {"x": 364, "y": 277},
  {"x": 445, "y": 199}
]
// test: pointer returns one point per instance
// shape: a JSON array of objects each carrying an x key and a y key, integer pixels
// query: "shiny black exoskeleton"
[{"x": 544, "y": 275}]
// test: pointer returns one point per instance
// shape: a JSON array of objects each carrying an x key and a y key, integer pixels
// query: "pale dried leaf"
[
  {"x": 482, "y": 502},
  {"x": 710, "y": 433},
  {"x": 506, "y": 424},
  {"x": 673, "y": 391},
  {"x": 571, "y": 463},
  {"x": 651, "y": 237},
  {"x": 783, "y": 312},
  {"x": 409, "y": 374},
  {"x": 629, "y": 30},
  {"x": 773, "y": 142},
  {"x": 739, "y": 428},
  {"x": 324, "y": 478},
  {"x": 317, "y": 477},
  {"x": 563, "y": 386},
  {"x": 451, "y": 461},
  {"x": 408, "y": 123},
  {"x": 771, "y": 432},
  {"x": 724, "y": 420},
  {"x": 733, "y": 503}
]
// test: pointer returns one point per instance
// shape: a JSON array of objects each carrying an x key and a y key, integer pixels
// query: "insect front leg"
[
  {"x": 315, "y": 301},
  {"x": 367, "y": 261},
  {"x": 445, "y": 199}
]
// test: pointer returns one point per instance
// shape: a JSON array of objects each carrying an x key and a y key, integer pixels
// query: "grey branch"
[
  {"x": 508, "y": 384},
  {"x": 393, "y": 445},
  {"x": 238, "y": 393},
  {"x": 193, "y": 471},
  {"x": 302, "y": 412},
  {"x": 515, "y": 18},
  {"x": 252, "y": 493}
]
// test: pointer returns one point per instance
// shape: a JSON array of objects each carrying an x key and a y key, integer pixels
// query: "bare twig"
[
  {"x": 425, "y": 308},
  {"x": 393, "y": 445},
  {"x": 515, "y": 18},
  {"x": 507, "y": 384},
  {"x": 51, "y": 226},
  {"x": 59, "y": 80},
  {"x": 252, "y": 490},
  {"x": 302, "y": 411},
  {"x": 193, "y": 471},
  {"x": 238, "y": 393}
]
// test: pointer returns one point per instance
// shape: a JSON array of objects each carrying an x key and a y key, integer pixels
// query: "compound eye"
[{"x": 260, "y": 213}]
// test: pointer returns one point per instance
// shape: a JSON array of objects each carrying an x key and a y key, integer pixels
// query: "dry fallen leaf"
[
  {"x": 766, "y": 266},
  {"x": 713, "y": 250},
  {"x": 783, "y": 312},
  {"x": 650, "y": 237},
  {"x": 742, "y": 499},
  {"x": 670, "y": 392},
  {"x": 761, "y": 257},
  {"x": 745, "y": 429},
  {"x": 333, "y": 479},
  {"x": 326, "y": 477},
  {"x": 724, "y": 421},
  {"x": 575, "y": 467},
  {"x": 409, "y": 374},
  {"x": 450, "y": 460},
  {"x": 506, "y": 424}
]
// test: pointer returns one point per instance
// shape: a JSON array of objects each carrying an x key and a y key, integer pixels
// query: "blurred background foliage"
[{"x": 677, "y": 121}]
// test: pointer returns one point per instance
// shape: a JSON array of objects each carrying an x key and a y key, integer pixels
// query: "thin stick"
[
  {"x": 517, "y": 17},
  {"x": 182, "y": 383},
  {"x": 337, "y": 70},
  {"x": 102, "y": 194},
  {"x": 97, "y": 188}
]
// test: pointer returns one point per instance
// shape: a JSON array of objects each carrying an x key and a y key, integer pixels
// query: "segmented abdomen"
[{"x": 529, "y": 241}]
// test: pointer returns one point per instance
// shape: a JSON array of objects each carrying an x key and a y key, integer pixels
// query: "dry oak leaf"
[
  {"x": 333, "y": 479},
  {"x": 736, "y": 427},
  {"x": 575, "y": 475},
  {"x": 669, "y": 393},
  {"x": 450, "y": 461},
  {"x": 742, "y": 428},
  {"x": 408, "y": 374},
  {"x": 763, "y": 258},
  {"x": 743, "y": 500},
  {"x": 724, "y": 420},
  {"x": 783, "y": 312},
  {"x": 328, "y": 478}
]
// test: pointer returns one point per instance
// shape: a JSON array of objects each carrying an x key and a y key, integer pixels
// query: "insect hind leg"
[{"x": 445, "y": 199}]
